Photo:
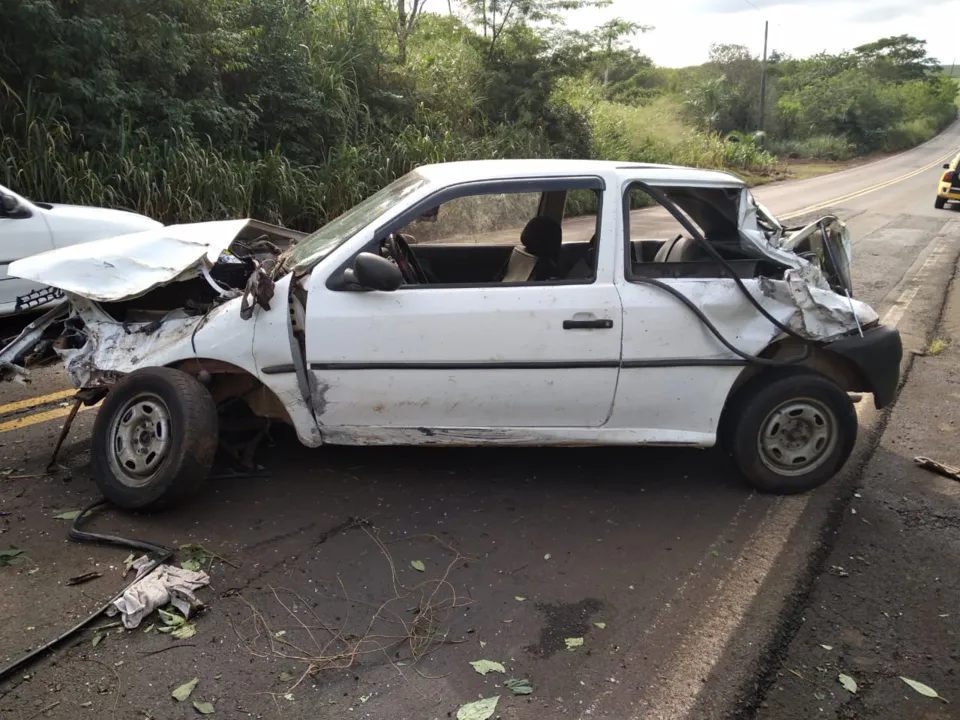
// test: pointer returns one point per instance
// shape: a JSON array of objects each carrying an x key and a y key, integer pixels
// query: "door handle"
[{"x": 587, "y": 324}]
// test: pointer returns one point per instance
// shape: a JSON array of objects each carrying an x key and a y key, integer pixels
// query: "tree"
[
  {"x": 898, "y": 58},
  {"x": 611, "y": 37},
  {"x": 494, "y": 16},
  {"x": 405, "y": 23}
]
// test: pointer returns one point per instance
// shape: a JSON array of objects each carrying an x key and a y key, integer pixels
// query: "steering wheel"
[{"x": 410, "y": 267}]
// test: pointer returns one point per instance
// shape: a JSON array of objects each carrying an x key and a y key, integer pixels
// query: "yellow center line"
[
  {"x": 34, "y": 401},
  {"x": 873, "y": 188},
  {"x": 37, "y": 418}
]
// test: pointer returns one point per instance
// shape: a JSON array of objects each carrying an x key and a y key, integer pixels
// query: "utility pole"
[{"x": 763, "y": 74}]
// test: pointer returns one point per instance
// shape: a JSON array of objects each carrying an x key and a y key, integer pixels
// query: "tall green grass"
[
  {"x": 656, "y": 133},
  {"x": 186, "y": 179},
  {"x": 820, "y": 147}
]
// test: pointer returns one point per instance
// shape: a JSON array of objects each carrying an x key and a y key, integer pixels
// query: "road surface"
[{"x": 676, "y": 577}]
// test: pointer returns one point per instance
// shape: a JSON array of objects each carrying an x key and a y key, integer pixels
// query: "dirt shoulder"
[{"x": 887, "y": 604}]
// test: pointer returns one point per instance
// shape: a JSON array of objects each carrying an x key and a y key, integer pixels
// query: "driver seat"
[
  {"x": 680, "y": 249},
  {"x": 542, "y": 239}
]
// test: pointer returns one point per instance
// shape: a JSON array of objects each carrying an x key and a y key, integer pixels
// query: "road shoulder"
[{"x": 887, "y": 603}]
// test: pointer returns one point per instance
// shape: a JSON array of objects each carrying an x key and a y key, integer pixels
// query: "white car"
[
  {"x": 494, "y": 302},
  {"x": 28, "y": 228}
]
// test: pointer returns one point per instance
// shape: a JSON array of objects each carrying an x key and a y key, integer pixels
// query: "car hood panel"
[{"x": 128, "y": 266}]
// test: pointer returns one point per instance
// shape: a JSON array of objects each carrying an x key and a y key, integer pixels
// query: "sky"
[{"x": 685, "y": 29}]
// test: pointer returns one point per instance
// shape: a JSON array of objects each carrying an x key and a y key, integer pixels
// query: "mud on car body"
[{"x": 494, "y": 302}]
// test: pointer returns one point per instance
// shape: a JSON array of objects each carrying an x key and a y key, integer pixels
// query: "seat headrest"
[{"x": 543, "y": 238}]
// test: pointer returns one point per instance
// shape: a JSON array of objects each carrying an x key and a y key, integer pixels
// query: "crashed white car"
[
  {"x": 495, "y": 302},
  {"x": 28, "y": 228}
]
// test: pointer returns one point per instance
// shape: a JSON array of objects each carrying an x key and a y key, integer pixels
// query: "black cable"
[
  {"x": 160, "y": 552},
  {"x": 664, "y": 201},
  {"x": 752, "y": 359},
  {"x": 712, "y": 252}
]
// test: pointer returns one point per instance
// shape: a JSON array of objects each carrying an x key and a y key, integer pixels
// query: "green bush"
[{"x": 819, "y": 147}]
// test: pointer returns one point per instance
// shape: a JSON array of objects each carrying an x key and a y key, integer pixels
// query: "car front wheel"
[
  {"x": 791, "y": 430},
  {"x": 154, "y": 439}
]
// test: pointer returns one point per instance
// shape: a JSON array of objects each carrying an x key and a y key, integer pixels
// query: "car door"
[
  {"x": 675, "y": 375},
  {"x": 503, "y": 361},
  {"x": 23, "y": 232}
]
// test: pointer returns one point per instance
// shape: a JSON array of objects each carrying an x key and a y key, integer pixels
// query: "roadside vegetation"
[{"x": 293, "y": 110}]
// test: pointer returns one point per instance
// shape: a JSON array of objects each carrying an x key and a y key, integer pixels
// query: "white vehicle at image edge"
[
  {"x": 28, "y": 228},
  {"x": 521, "y": 302}
]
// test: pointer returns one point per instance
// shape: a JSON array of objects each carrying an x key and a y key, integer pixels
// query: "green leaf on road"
[
  {"x": 417, "y": 565},
  {"x": 924, "y": 690},
  {"x": 97, "y": 638},
  {"x": 183, "y": 692},
  {"x": 203, "y": 707},
  {"x": 519, "y": 687},
  {"x": 827, "y": 647},
  {"x": 9, "y": 556},
  {"x": 191, "y": 564},
  {"x": 486, "y": 666},
  {"x": 849, "y": 684},
  {"x": 69, "y": 515},
  {"x": 170, "y": 619},
  {"x": 573, "y": 643},
  {"x": 184, "y": 631},
  {"x": 519, "y": 598},
  {"x": 600, "y": 625},
  {"x": 479, "y": 710}
]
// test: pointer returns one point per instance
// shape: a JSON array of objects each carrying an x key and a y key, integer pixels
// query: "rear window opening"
[{"x": 658, "y": 245}]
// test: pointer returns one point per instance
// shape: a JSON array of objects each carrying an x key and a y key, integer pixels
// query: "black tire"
[
  {"x": 154, "y": 439},
  {"x": 939, "y": 203},
  {"x": 790, "y": 430}
]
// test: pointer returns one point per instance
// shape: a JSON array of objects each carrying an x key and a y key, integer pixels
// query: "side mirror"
[
  {"x": 372, "y": 272},
  {"x": 947, "y": 166},
  {"x": 8, "y": 204}
]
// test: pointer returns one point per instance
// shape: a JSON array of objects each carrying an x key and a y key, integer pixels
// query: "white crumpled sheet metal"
[
  {"x": 127, "y": 266},
  {"x": 822, "y": 314}
]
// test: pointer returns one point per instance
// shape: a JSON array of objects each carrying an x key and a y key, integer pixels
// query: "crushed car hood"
[{"x": 128, "y": 266}]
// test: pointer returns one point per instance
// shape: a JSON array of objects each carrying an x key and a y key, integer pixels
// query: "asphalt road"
[{"x": 674, "y": 574}]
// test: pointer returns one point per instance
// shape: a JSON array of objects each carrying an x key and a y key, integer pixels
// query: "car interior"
[{"x": 543, "y": 250}]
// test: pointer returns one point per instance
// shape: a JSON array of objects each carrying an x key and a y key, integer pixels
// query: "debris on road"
[
  {"x": 10, "y": 556},
  {"x": 479, "y": 710},
  {"x": 933, "y": 466},
  {"x": 203, "y": 707},
  {"x": 182, "y": 692},
  {"x": 924, "y": 690},
  {"x": 84, "y": 578},
  {"x": 162, "y": 586},
  {"x": 573, "y": 643},
  {"x": 849, "y": 684},
  {"x": 487, "y": 666},
  {"x": 519, "y": 687},
  {"x": 417, "y": 565},
  {"x": 600, "y": 625}
]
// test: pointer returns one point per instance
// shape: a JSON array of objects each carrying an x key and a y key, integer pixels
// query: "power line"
[{"x": 750, "y": 3}]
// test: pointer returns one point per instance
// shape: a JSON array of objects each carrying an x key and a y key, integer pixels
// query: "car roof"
[{"x": 474, "y": 170}]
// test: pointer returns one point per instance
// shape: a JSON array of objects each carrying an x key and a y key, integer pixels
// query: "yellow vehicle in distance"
[{"x": 949, "y": 189}]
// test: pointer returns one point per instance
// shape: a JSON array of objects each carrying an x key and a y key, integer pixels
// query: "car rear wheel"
[
  {"x": 939, "y": 203},
  {"x": 790, "y": 430},
  {"x": 154, "y": 439}
]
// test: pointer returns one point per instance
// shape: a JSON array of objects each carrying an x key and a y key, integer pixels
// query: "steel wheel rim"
[
  {"x": 139, "y": 439},
  {"x": 797, "y": 437}
]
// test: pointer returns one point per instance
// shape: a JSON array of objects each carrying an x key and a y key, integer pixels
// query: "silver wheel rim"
[
  {"x": 797, "y": 437},
  {"x": 139, "y": 439}
]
